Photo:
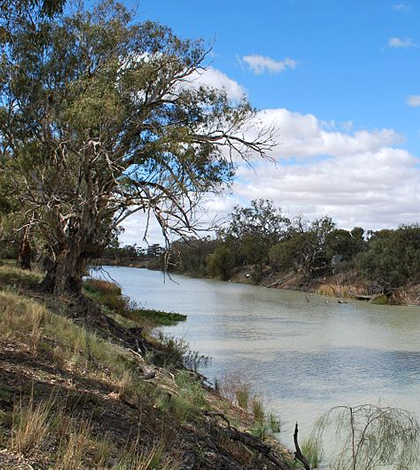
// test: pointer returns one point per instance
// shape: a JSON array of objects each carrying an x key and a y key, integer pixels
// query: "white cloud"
[
  {"x": 402, "y": 7},
  {"x": 216, "y": 79},
  {"x": 260, "y": 64},
  {"x": 359, "y": 178},
  {"x": 347, "y": 126},
  {"x": 304, "y": 135},
  {"x": 413, "y": 101},
  {"x": 398, "y": 43}
]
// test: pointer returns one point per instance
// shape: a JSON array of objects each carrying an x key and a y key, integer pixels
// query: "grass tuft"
[
  {"x": 30, "y": 426},
  {"x": 75, "y": 448},
  {"x": 311, "y": 449}
]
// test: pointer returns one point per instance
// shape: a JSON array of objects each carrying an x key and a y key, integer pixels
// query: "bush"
[{"x": 393, "y": 257}]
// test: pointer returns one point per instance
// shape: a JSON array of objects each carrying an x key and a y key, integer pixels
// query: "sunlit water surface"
[{"x": 303, "y": 353}]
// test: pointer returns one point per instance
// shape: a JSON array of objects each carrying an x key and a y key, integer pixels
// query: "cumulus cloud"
[
  {"x": 370, "y": 189},
  {"x": 217, "y": 79},
  {"x": 304, "y": 135},
  {"x": 413, "y": 101},
  {"x": 260, "y": 64},
  {"x": 357, "y": 177},
  {"x": 401, "y": 43}
]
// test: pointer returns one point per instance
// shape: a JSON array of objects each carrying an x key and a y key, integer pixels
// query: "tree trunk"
[
  {"x": 64, "y": 276},
  {"x": 24, "y": 254}
]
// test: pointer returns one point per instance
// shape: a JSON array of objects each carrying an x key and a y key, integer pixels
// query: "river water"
[{"x": 303, "y": 353}]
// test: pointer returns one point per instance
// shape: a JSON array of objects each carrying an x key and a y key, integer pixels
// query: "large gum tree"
[{"x": 99, "y": 119}]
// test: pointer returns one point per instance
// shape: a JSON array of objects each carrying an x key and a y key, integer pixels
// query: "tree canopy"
[{"x": 99, "y": 119}]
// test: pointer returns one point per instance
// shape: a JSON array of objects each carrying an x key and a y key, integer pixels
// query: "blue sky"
[
  {"x": 341, "y": 79},
  {"x": 345, "y": 69}
]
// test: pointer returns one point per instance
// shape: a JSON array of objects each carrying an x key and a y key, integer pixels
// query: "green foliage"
[
  {"x": 305, "y": 248},
  {"x": 260, "y": 430},
  {"x": 380, "y": 300},
  {"x": 345, "y": 243},
  {"x": 123, "y": 254},
  {"x": 110, "y": 295},
  {"x": 158, "y": 317},
  {"x": 190, "y": 255},
  {"x": 106, "y": 293},
  {"x": 177, "y": 353},
  {"x": 221, "y": 262},
  {"x": 190, "y": 389},
  {"x": 311, "y": 449},
  {"x": 274, "y": 423},
  {"x": 25, "y": 7},
  {"x": 96, "y": 122},
  {"x": 243, "y": 395},
  {"x": 255, "y": 229},
  {"x": 260, "y": 219},
  {"x": 393, "y": 257}
]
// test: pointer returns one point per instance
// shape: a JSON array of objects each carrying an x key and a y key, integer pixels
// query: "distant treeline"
[
  {"x": 126, "y": 254},
  {"x": 261, "y": 237}
]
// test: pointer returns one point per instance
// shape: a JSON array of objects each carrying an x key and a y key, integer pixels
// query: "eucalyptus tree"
[
  {"x": 254, "y": 229},
  {"x": 99, "y": 119},
  {"x": 304, "y": 249},
  {"x": 12, "y": 8}
]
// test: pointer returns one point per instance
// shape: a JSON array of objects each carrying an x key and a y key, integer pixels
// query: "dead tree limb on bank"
[
  {"x": 298, "y": 453},
  {"x": 249, "y": 441}
]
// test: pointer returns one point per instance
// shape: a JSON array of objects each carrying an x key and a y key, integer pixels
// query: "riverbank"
[
  {"x": 85, "y": 385},
  {"x": 343, "y": 285}
]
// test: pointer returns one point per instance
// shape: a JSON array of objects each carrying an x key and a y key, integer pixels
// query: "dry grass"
[
  {"x": 147, "y": 459},
  {"x": 87, "y": 425},
  {"x": 15, "y": 277},
  {"x": 126, "y": 385},
  {"x": 341, "y": 290},
  {"x": 258, "y": 411},
  {"x": 37, "y": 319},
  {"x": 73, "y": 451},
  {"x": 236, "y": 389},
  {"x": 30, "y": 426},
  {"x": 72, "y": 348}
]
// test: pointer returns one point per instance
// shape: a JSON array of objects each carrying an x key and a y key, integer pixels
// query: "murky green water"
[{"x": 303, "y": 353}]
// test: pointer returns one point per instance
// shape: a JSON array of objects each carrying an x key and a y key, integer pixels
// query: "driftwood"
[
  {"x": 361, "y": 297},
  {"x": 280, "y": 281}
]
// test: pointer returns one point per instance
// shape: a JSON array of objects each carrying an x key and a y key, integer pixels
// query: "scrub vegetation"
[
  {"x": 98, "y": 121},
  {"x": 260, "y": 245},
  {"x": 83, "y": 392}
]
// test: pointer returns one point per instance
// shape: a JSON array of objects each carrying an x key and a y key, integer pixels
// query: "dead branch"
[
  {"x": 298, "y": 453},
  {"x": 250, "y": 441}
]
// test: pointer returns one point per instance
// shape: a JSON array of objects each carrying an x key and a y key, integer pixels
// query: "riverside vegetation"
[
  {"x": 260, "y": 245},
  {"x": 96, "y": 124},
  {"x": 99, "y": 391}
]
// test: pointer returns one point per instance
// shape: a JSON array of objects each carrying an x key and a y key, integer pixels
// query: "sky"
[{"x": 340, "y": 80}]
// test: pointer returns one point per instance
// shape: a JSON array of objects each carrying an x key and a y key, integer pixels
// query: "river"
[{"x": 303, "y": 353}]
